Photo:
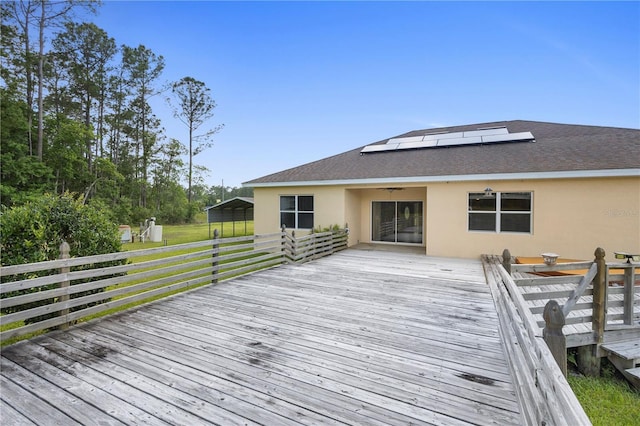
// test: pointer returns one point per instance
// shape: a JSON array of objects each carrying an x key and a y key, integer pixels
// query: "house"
[{"x": 461, "y": 191}]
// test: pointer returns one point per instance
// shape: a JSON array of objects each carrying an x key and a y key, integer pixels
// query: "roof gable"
[{"x": 556, "y": 148}]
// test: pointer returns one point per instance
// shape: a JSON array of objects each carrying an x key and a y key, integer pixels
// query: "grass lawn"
[
  {"x": 607, "y": 400},
  {"x": 180, "y": 234}
]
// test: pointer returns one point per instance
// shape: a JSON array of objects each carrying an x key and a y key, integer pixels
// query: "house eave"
[{"x": 573, "y": 174}]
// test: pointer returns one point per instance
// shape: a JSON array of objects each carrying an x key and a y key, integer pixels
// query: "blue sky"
[{"x": 299, "y": 81}]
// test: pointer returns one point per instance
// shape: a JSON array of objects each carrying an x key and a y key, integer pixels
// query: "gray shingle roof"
[{"x": 557, "y": 148}]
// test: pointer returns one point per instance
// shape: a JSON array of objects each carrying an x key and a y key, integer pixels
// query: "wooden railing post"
[
  {"x": 552, "y": 333},
  {"x": 214, "y": 263},
  {"x": 334, "y": 235},
  {"x": 599, "y": 296},
  {"x": 294, "y": 246},
  {"x": 346, "y": 231},
  {"x": 588, "y": 356},
  {"x": 506, "y": 260},
  {"x": 629, "y": 294},
  {"x": 314, "y": 246},
  {"x": 64, "y": 254},
  {"x": 283, "y": 242}
]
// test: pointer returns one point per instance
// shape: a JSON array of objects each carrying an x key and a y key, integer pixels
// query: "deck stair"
[{"x": 625, "y": 356}]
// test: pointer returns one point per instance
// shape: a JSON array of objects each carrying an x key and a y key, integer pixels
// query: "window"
[
  {"x": 500, "y": 212},
  {"x": 296, "y": 211}
]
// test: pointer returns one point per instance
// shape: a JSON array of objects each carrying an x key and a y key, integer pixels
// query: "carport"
[{"x": 238, "y": 209}]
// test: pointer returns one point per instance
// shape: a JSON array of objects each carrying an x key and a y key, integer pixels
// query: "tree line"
[{"x": 76, "y": 118}]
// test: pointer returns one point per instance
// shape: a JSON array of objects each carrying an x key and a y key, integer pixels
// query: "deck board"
[{"x": 359, "y": 337}]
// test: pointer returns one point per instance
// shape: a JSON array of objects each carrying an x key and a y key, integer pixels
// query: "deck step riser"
[
  {"x": 633, "y": 376},
  {"x": 625, "y": 356}
]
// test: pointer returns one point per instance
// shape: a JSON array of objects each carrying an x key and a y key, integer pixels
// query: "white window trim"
[{"x": 498, "y": 213}]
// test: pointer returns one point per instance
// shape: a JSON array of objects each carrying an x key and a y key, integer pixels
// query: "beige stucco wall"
[
  {"x": 352, "y": 215},
  {"x": 369, "y": 195},
  {"x": 329, "y": 206},
  {"x": 570, "y": 216}
]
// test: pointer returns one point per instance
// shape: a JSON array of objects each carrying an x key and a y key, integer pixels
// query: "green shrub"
[
  {"x": 332, "y": 228},
  {"x": 34, "y": 231}
]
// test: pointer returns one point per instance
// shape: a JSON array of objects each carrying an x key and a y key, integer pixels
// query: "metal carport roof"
[{"x": 237, "y": 209}]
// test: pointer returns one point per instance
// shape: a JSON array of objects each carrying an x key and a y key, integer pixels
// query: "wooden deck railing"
[
  {"x": 597, "y": 292},
  {"x": 544, "y": 393},
  {"x": 597, "y": 300},
  {"x": 314, "y": 246},
  {"x": 45, "y": 295}
]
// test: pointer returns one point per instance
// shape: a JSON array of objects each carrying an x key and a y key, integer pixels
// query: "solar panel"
[
  {"x": 485, "y": 132},
  {"x": 407, "y": 139},
  {"x": 437, "y": 140},
  {"x": 439, "y": 136},
  {"x": 378, "y": 148},
  {"x": 417, "y": 145},
  {"x": 459, "y": 141},
  {"x": 510, "y": 137}
]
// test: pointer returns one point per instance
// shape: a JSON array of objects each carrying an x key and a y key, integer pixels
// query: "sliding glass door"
[{"x": 396, "y": 222}]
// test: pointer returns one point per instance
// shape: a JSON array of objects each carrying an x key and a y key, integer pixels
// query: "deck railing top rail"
[
  {"x": 541, "y": 267},
  {"x": 99, "y": 258}
]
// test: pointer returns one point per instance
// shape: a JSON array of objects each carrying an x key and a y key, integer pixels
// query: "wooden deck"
[{"x": 359, "y": 337}]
